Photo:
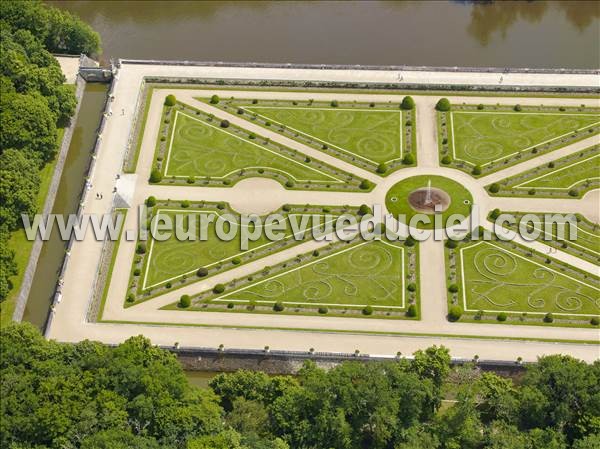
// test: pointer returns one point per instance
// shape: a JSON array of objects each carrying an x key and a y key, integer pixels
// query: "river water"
[{"x": 461, "y": 33}]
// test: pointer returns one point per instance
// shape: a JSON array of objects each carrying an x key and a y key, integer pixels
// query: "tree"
[
  {"x": 408, "y": 159},
  {"x": 443, "y": 105},
  {"x": 155, "y": 176},
  {"x": 185, "y": 301},
  {"x": 454, "y": 313},
  {"x": 494, "y": 188},
  {"x": 364, "y": 210},
  {"x": 170, "y": 100},
  {"x": 8, "y": 267},
  {"x": 407, "y": 103},
  {"x": 28, "y": 125},
  {"x": 59, "y": 30},
  {"x": 214, "y": 99},
  {"x": 365, "y": 184},
  {"x": 19, "y": 186},
  {"x": 382, "y": 168}
]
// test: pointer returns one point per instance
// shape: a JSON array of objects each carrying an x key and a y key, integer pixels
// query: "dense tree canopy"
[
  {"x": 34, "y": 101},
  {"x": 136, "y": 395}
]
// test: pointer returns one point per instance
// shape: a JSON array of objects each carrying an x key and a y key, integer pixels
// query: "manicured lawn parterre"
[
  {"x": 379, "y": 137},
  {"x": 586, "y": 243},
  {"x": 396, "y": 199},
  {"x": 481, "y": 139},
  {"x": 372, "y": 135},
  {"x": 174, "y": 262},
  {"x": 357, "y": 278},
  {"x": 197, "y": 148},
  {"x": 568, "y": 177},
  {"x": 201, "y": 149},
  {"x": 494, "y": 278}
]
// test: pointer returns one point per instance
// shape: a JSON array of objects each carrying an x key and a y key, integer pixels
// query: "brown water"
[
  {"x": 499, "y": 34},
  {"x": 66, "y": 202}
]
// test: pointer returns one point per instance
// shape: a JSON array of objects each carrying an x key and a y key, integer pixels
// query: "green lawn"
[
  {"x": 481, "y": 137},
  {"x": 373, "y": 135},
  {"x": 496, "y": 279},
  {"x": 369, "y": 273},
  {"x": 396, "y": 199},
  {"x": 197, "y": 148},
  {"x": 170, "y": 259},
  {"x": 566, "y": 177},
  {"x": 586, "y": 243}
]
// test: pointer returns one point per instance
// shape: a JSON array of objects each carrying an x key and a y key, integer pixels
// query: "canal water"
[
  {"x": 67, "y": 201},
  {"x": 435, "y": 33}
]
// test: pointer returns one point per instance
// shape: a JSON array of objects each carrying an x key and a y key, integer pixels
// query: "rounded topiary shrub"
[
  {"x": 202, "y": 272},
  {"x": 368, "y": 310},
  {"x": 185, "y": 204},
  {"x": 278, "y": 307},
  {"x": 451, "y": 244},
  {"x": 454, "y": 313},
  {"x": 365, "y": 184},
  {"x": 185, "y": 301},
  {"x": 443, "y": 105},
  {"x": 334, "y": 104},
  {"x": 382, "y": 168},
  {"x": 410, "y": 241},
  {"x": 155, "y": 176},
  {"x": 236, "y": 261},
  {"x": 548, "y": 318},
  {"x": 447, "y": 160},
  {"x": 476, "y": 170},
  {"x": 518, "y": 108},
  {"x": 501, "y": 316},
  {"x": 315, "y": 253},
  {"x": 219, "y": 288},
  {"x": 214, "y": 99},
  {"x": 289, "y": 184},
  {"x": 408, "y": 159},
  {"x": 323, "y": 310},
  {"x": 495, "y": 214},
  {"x": 411, "y": 311},
  {"x": 494, "y": 188},
  {"x": 364, "y": 210},
  {"x": 151, "y": 201},
  {"x": 170, "y": 100},
  {"x": 453, "y": 288},
  {"x": 141, "y": 248},
  {"x": 407, "y": 103},
  {"x": 137, "y": 272},
  {"x": 130, "y": 297},
  {"x": 595, "y": 321},
  {"x": 574, "y": 193},
  {"x": 412, "y": 287},
  {"x": 224, "y": 123}
]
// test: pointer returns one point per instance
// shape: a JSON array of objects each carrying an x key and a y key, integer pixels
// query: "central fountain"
[{"x": 429, "y": 199}]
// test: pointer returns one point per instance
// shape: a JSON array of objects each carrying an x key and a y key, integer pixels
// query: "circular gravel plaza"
[{"x": 426, "y": 194}]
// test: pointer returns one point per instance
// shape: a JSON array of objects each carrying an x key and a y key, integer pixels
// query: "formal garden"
[
  {"x": 481, "y": 139},
  {"x": 356, "y": 278},
  {"x": 496, "y": 281},
  {"x": 584, "y": 244},
  {"x": 196, "y": 148},
  {"x": 186, "y": 257},
  {"x": 380, "y": 137},
  {"x": 568, "y": 177}
]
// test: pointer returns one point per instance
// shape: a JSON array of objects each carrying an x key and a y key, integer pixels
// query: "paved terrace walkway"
[{"x": 259, "y": 195}]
